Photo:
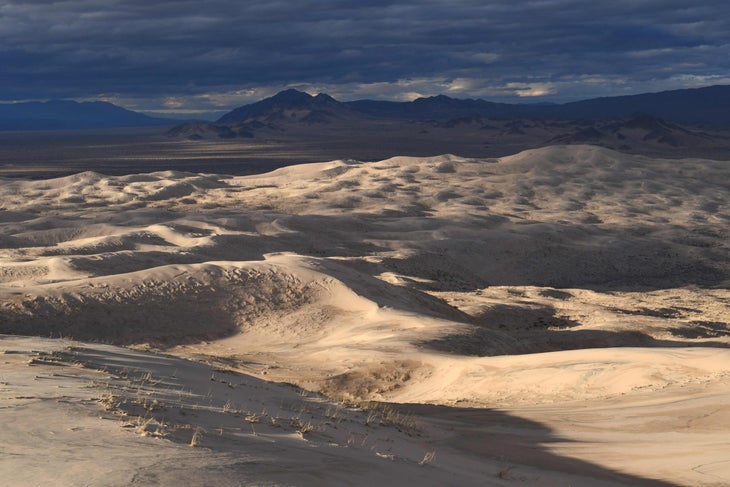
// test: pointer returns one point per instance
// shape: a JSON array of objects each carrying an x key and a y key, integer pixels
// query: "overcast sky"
[{"x": 207, "y": 56}]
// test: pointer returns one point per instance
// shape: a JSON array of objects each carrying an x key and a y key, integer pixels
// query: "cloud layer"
[{"x": 191, "y": 55}]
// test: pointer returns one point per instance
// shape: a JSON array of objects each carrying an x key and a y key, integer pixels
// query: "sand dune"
[
  {"x": 576, "y": 288},
  {"x": 101, "y": 415}
]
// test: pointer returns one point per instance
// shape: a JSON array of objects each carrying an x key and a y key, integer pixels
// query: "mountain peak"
[
  {"x": 437, "y": 98},
  {"x": 286, "y": 99},
  {"x": 291, "y": 96},
  {"x": 324, "y": 97}
]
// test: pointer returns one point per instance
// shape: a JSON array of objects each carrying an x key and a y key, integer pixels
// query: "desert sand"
[{"x": 555, "y": 317}]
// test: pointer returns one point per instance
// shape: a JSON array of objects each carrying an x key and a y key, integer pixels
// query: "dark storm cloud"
[{"x": 151, "y": 50}]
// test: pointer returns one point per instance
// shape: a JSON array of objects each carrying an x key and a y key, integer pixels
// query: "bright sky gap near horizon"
[{"x": 180, "y": 57}]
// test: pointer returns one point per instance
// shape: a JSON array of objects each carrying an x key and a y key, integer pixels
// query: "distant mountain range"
[
  {"x": 65, "y": 114},
  {"x": 709, "y": 107},
  {"x": 674, "y": 123}
]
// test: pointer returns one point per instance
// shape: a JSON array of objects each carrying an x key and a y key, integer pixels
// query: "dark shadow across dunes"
[
  {"x": 480, "y": 342},
  {"x": 564, "y": 256},
  {"x": 486, "y": 432},
  {"x": 537, "y": 329},
  {"x": 490, "y": 434},
  {"x": 446, "y": 255}
]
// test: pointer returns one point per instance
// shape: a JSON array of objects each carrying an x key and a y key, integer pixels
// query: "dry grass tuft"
[
  {"x": 252, "y": 418},
  {"x": 197, "y": 435},
  {"x": 302, "y": 427},
  {"x": 427, "y": 458},
  {"x": 386, "y": 415}
]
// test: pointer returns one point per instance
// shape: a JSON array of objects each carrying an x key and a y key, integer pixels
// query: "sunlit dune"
[{"x": 556, "y": 317}]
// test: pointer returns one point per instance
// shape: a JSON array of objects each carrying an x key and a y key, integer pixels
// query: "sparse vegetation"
[
  {"x": 428, "y": 457},
  {"x": 302, "y": 427},
  {"x": 197, "y": 435},
  {"x": 109, "y": 401},
  {"x": 386, "y": 415},
  {"x": 252, "y": 418},
  {"x": 228, "y": 407}
]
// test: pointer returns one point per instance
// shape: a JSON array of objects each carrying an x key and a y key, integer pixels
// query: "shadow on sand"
[
  {"x": 514, "y": 440},
  {"x": 480, "y": 434}
]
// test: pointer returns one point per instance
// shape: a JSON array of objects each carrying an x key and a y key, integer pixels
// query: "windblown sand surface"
[{"x": 557, "y": 317}]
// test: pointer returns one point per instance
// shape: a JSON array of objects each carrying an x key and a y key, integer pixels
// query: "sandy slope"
[
  {"x": 81, "y": 414},
  {"x": 581, "y": 290}
]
